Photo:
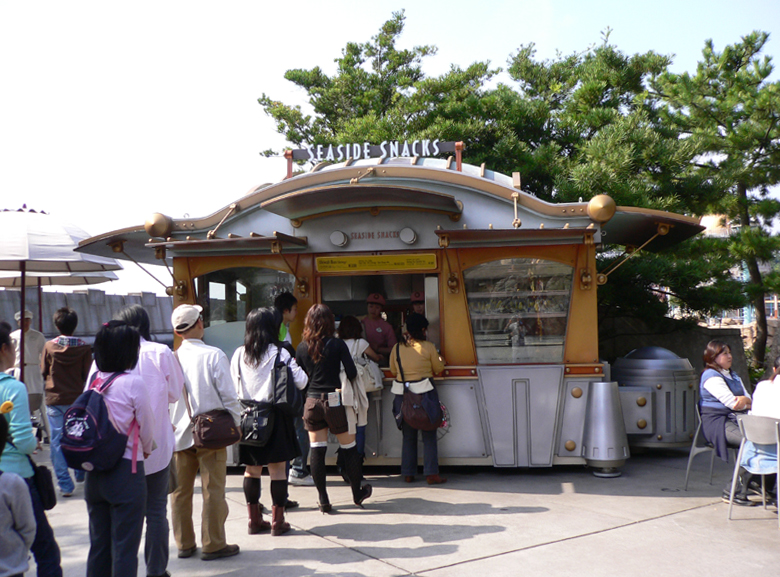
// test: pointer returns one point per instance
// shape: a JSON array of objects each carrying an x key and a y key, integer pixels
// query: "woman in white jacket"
[{"x": 252, "y": 369}]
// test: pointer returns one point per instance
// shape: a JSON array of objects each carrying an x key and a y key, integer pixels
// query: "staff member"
[{"x": 379, "y": 333}]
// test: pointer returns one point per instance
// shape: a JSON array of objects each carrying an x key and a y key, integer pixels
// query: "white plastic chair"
[
  {"x": 699, "y": 445},
  {"x": 759, "y": 431}
]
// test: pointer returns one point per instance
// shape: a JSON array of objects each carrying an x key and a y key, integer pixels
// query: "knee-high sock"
[
  {"x": 252, "y": 490},
  {"x": 317, "y": 457},
  {"x": 279, "y": 492},
  {"x": 353, "y": 466}
]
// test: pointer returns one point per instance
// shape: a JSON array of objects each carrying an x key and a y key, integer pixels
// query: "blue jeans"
[
  {"x": 299, "y": 467},
  {"x": 56, "y": 414},
  {"x": 116, "y": 503},
  {"x": 44, "y": 547},
  {"x": 409, "y": 452},
  {"x": 156, "y": 546},
  {"x": 360, "y": 441}
]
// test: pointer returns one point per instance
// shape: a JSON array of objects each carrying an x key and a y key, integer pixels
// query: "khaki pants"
[{"x": 213, "y": 475}]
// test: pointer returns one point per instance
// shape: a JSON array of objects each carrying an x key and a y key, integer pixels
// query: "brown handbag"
[{"x": 214, "y": 430}]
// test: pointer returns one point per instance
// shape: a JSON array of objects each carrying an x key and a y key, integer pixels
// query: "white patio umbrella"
[
  {"x": 38, "y": 242},
  {"x": 34, "y": 279}
]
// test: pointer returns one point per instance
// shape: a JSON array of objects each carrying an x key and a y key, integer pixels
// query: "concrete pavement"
[{"x": 484, "y": 521}]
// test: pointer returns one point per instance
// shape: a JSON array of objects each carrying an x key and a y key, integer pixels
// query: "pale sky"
[{"x": 110, "y": 111}]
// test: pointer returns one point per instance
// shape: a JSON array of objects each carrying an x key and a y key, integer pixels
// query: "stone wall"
[{"x": 94, "y": 307}]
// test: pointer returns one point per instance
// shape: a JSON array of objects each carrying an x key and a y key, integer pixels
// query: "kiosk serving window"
[
  {"x": 519, "y": 309},
  {"x": 227, "y": 296}
]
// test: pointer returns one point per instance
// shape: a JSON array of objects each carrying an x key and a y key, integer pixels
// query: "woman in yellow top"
[{"x": 419, "y": 362}]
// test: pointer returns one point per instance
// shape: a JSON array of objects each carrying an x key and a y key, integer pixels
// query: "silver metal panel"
[
  {"x": 336, "y": 288},
  {"x": 633, "y": 413},
  {"x": 522, "y": 405},
  {"x": 572, "y": 421},
  {"x": 431, "y": 290},
  {"x": 465, "y": 438},
  {"x": 397, "y": 286}
]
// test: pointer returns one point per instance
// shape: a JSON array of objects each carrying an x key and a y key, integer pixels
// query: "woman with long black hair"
[
  {"x": 252, "y": 369},
  {"x": 321, "y": 356}
]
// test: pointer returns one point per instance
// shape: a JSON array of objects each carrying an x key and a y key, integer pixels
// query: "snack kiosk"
[{"x": 509, "y": 282}]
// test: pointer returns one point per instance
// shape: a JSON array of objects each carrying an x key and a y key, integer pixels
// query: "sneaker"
[
  {"x": 739, "y": 500},
  {"x": 226, "y": 551},
  {"x": 307, "y": 481},
  {"x": 66, "y": 494}
]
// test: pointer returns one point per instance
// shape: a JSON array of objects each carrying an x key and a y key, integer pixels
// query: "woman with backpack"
[
  {"x": 252, "y": 369},
  {"x": 115, "y": 497},
  {"x": 321, "y": 356}
]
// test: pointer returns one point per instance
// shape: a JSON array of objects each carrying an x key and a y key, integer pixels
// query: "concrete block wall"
[{"x": 93, "y": 306}]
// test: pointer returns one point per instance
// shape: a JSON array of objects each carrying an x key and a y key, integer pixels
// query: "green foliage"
[
  {"x": 731, "y": 113},
  {"x": 594, "y": 122}
]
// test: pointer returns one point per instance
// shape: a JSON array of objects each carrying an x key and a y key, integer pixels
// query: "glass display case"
[{"x": 519, "y": 309}]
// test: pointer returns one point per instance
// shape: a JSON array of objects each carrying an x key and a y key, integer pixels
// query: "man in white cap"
[
  {"x": 33, "y": 349},
  {"x": 208, "y": 386}
]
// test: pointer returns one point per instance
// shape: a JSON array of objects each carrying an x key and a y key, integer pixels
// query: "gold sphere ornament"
[{"x": 601, "y": 208}]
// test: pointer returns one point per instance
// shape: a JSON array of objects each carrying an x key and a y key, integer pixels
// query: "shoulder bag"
[
  {"x": 419, "y": 411},
  {"x": 257, "y": 419},
  {"x": 213, "y": 429},
  {"x": 366, "y": 375},
  {"x": 287, "y": 398},
  {"x": 43, "y": 481}
]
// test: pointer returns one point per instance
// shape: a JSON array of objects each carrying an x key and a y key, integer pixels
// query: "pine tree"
[{"x": 730, "y": 112}]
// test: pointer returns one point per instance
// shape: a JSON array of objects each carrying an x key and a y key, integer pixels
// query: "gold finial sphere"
[{"x": 601, "y": 208}]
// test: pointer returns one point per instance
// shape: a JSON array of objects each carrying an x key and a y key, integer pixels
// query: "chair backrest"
[{"x": 759, "y": 430}]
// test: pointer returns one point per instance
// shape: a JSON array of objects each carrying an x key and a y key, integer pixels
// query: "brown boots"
[
  {"x": 278, "y": 525},
  {"x": 256, "y": 523}
]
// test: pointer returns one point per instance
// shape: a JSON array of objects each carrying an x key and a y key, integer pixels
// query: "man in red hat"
[{"x": 379, "y": 333}]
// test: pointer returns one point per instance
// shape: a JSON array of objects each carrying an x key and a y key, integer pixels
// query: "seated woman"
[
  {"x": 252, "y": 369},
  {"x": 723, "y": 396},
  {"x": 419, "y": 361},
  {"x": 762, "y": 459}
]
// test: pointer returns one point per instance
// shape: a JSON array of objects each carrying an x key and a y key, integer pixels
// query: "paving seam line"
[{"x": 556, "y": 541}]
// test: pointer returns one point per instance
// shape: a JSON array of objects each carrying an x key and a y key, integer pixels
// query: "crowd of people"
[{"x": 152, "y": 395}]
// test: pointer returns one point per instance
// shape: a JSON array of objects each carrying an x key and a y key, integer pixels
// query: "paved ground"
[{"x": 484, "y": 521}]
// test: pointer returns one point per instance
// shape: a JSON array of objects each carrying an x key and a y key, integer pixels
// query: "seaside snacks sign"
[{"x": 385, "y": 149}]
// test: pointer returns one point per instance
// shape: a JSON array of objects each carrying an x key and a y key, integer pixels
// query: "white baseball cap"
[
  {"x": 27, "y": 315},
  {"x": 184, "y": 317}
]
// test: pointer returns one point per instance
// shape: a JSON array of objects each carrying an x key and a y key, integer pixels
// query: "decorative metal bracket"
[
  {"x": 662, "y": 230},
  {"x": 231, "y": 209}
]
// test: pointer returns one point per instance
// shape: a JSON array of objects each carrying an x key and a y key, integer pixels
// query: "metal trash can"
[{"x": 658, "y": 393}]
